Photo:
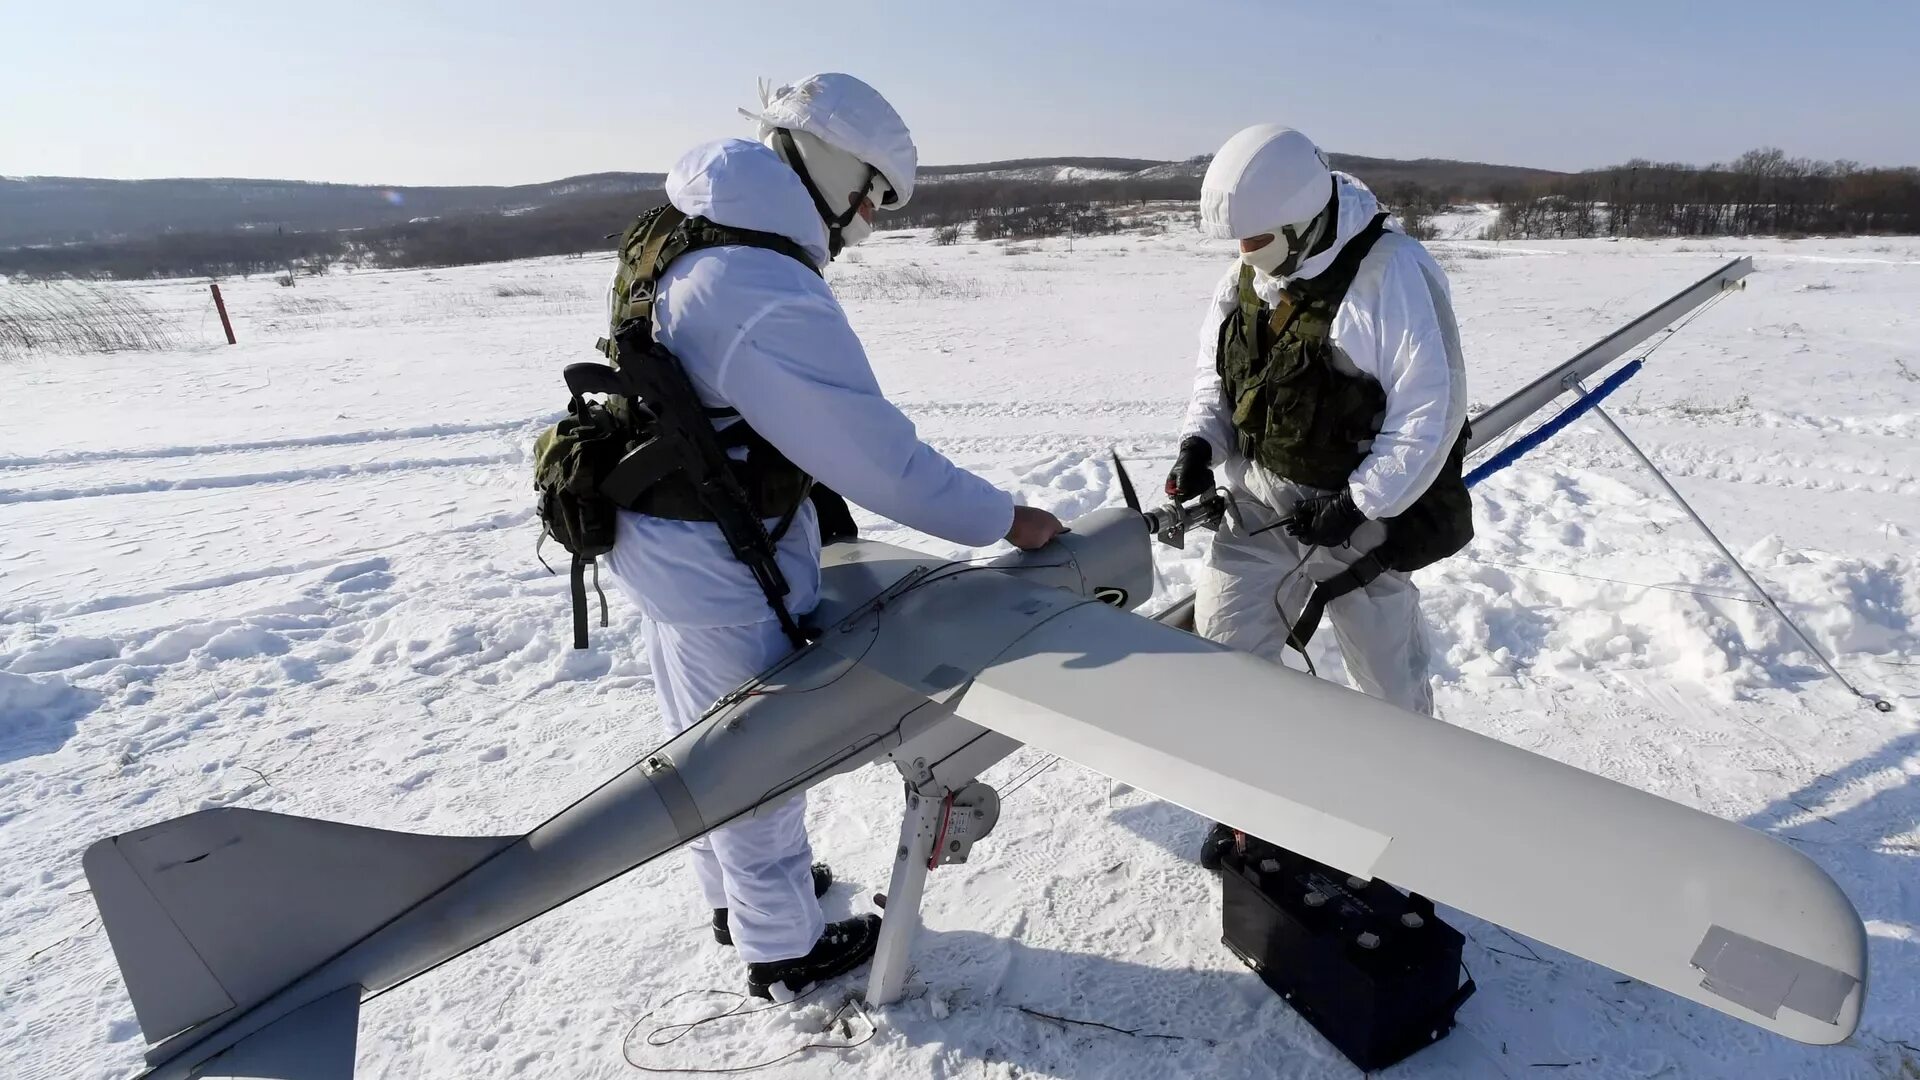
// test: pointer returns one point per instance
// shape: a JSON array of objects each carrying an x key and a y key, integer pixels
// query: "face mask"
[
  {"x": 859, "y": 228},
  {"x": 1283, "y": 254},
  {"x": 832, "y": 176}
]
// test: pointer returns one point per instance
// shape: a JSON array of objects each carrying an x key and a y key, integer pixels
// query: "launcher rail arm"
[{"x": 1495, "y": 422}]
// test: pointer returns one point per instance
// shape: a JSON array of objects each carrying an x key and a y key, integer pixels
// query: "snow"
[
  {"x": 1057, "y": 174},
  {"x": 298, "y": 575},
  {"x": 1463, "y": 222}
]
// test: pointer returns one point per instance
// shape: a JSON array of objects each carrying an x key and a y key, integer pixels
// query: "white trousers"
[
  {"x": 759, "y": 868},
  {"x": 1252, "y": 586}
]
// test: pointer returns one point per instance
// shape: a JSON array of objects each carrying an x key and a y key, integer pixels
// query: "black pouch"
[{"x": 570, "y": 460}]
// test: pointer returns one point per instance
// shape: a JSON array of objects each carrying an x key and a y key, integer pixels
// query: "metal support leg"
[
  {"x": 1879, "y": 703},
  {"x": 902, "y": 921}
]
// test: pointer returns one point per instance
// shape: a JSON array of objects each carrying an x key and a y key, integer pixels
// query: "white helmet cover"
[
  {"x": 847, "y": 114},
  {"x": 1265, "y": 177}
]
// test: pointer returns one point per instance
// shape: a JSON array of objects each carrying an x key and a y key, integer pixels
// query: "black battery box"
[{"x": 1373, "y": 969}]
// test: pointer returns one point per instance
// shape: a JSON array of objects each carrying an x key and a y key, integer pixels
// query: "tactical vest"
[
  {"x": 1298, "y": 415},
  {"x": 774, "y": 484},
  {"x": 1295, "y": 412}
]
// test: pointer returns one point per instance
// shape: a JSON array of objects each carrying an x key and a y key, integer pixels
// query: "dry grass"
[
  {"x": 294, "y": 312},
  {"x": 79, "y": 317},
  {"x": 307, "y": 305},
  {"x": 910, "y": 282},
  {"x": 1450, "y": 257}
]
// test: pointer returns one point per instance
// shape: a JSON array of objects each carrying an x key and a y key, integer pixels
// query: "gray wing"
[{"x": 1702, "y": 907}]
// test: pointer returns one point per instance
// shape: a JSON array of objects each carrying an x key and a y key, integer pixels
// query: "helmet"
[
  {"x": 1264, "y": 178},
  {"x": 848, "y": 115}
]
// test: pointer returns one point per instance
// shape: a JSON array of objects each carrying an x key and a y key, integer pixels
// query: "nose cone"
[{"x": 1111, "y": 556}]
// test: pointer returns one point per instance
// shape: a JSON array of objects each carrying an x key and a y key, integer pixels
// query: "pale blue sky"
[{"x": 486, "y": 91}]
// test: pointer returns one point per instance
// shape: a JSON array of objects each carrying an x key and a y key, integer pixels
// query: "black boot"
[
  {"x": 1218, "y": 842},
  {"x": 822, "y": 881},
  {"x": 844, "y": 945}
]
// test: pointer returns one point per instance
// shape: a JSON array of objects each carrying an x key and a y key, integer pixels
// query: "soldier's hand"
[
  {"x": 1192, "y": 474},
  {"x": 1033, "y": 528},
  {"x": 1325, "y": 520}
]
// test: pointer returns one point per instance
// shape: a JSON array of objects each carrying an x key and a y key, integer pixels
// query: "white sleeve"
[
  {"x": 796, "y": 371},
  {"x": 1208, "y": 414},
  {"x": 1405, "y": 338}
]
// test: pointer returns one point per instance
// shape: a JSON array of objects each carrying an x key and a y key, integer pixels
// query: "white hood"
[
  {"x": 1357, "y": 208},
  {"x": 746, "y": 185}
]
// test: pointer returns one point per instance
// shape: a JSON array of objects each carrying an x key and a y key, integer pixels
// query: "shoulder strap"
[
  {"x": 1246, "y": 296},
  {"x": 656, "y": 229},
  {"x": 577, "y": 586},
  {"x": 662, "y": 235},
  {"x": 1357, "y": 575},
  {"x": 696, "y": 233},
  {"x": 1331, "y": 284}
]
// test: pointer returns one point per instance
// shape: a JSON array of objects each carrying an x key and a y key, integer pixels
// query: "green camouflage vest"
[
  {"x": 1295, "y": 412},
  {"x": 1302, "y": 418}
]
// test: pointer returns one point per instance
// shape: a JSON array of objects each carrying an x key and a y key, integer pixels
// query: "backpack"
[{"x": 568, "y": 460}]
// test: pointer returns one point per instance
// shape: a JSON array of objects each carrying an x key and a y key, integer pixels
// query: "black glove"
[
  {"x": 1192, "y": 474},
  {"x": 836, "y": 521},
  {"x": 1324, "y": 520}
]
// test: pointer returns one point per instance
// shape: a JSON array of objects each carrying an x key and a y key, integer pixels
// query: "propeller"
[
  {"x": 1126, "y": 482},
  {"x": 1133, "y": 503}
]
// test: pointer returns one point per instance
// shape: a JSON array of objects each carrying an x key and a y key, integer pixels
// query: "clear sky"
[{"x": 490, "y": 91}]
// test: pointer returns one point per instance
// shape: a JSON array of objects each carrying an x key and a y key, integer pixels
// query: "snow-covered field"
[{"x": 298, "y": 575}]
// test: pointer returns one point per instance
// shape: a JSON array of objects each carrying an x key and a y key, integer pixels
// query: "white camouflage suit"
[
  {"x": 759, "y": 332},
  {"x": 1396, "y": 327}
]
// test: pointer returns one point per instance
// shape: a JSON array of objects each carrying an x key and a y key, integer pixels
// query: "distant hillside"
[
  {"x": 58, "y": 210},
  {"x": 1062, "y": 169},
  {"x": 65, "y": 210},
  {"x": 1439, "y": 174}
]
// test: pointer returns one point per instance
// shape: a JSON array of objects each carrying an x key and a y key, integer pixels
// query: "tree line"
[
  {"x": 1761, "y": 193},
  {"x": 962, "y": 202}
]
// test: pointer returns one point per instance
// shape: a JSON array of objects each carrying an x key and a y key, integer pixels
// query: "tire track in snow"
[
  {"x": 220, "y": 581},
  {"x": 344, "y": 438},
  {"x": 351, "y": 556},
  {"x": 1024, "y": 408},
  {"x": 1772, "y": 469},
  {"x": 285, "y": 476},
  {"x": 1887, "y": 427}
]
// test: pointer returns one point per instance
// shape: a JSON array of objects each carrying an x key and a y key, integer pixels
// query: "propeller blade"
[{"x": 1126, "y": 482}]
